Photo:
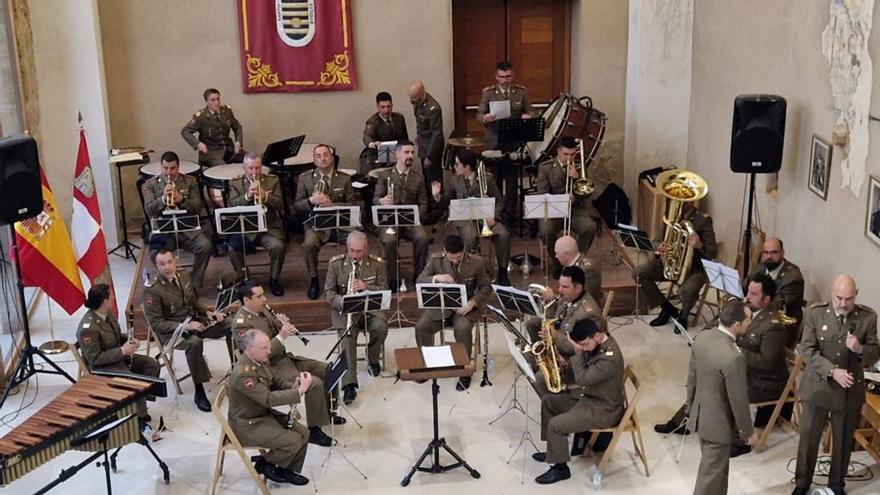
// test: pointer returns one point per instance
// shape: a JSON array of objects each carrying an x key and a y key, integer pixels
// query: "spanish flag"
[{"x": 46, "y": 254}]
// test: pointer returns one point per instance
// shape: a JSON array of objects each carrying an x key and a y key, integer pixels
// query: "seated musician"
[
  {"x": 789, "y": 285},
  {"x": 169, "y": 299},
  {"x": 254, "y": 390},
  {"x": 105, "y": 348},
  {"x": 454, "y": 266},
  {"x": 212, "y": 124},
  {"x": 322, "y": 187},
  {"x": 408, "y": 189},
  {"x": 553, "y": 175},
  {"x": 366, "y": 272},
  {"x": 384, "y": 125},
  {"x": 567, "y": 254},
  {"x": 467, "y": 184},
  {"x": 574, "y": 304},
  {"x": 649, "y": 273},
  {"x": 595, "y": 399},
  {"x": 257, "y": 188},
  {"x": 175, "y": 191},
  {"x": 255, "y": 314}
]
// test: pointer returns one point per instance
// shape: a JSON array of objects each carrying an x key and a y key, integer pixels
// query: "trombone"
[
  {"x": 581, "y": 187},
  {"x": 391, "y": 230},
  {"x": 484, "y": 189}
]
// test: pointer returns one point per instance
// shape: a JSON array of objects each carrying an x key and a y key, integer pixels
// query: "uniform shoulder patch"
[
  {"x": 488, "y": 88},
  {"x": 819, "y": 304},
  {"x": 376, "y": 258},
  {"x": 248, "y": 383},
  {"x": 337, "y": 258},
  {"x": 866, "y": 309}
]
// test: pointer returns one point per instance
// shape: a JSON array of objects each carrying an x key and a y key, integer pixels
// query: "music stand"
[
  {"x": 385, "y": 152},
  {"x": 335, "y": 371},
  {"x": 544, "y": 207},
  {"x": 174, "y": 222},
  {"x": 444, "y": 297},
  {"x": 335, "y": 218},
  {"x": 515, "y": 130},
  {"x": 396, "y": 216},
  {"x": 277, "y": 152},
  {"x": 723, "y": 278},
  {"x": 412, "y": 368},
  {"x": 631, "y": 237},
  {"x": 472, "y": 209},
  {"x": 241, "y": 220}
]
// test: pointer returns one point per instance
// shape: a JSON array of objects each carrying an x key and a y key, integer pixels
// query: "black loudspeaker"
[
  {"x": 21, "y": 191},
  {"x": 758, "y": 134}
]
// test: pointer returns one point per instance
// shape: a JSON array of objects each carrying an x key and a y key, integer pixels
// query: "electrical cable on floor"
[
  {"x": 856, "y": 471},
  {"x": 12, "y": 415}
]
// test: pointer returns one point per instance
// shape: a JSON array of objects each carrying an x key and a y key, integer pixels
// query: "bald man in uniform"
[
  {"x": 568, "y": 254},
  {"x": 838, "y": 343},
  {"x": 213, "y": 124},
  {"x": 789, "y": 285},
  {"x": 429, "y": 131}
]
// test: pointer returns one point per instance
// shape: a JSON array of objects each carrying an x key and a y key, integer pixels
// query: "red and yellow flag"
[{"x": 46, "y": 254}]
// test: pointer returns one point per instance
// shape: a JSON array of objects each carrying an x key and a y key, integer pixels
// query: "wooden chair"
[
  {"x": 789, "y": 394},
  {"x": 476, "y": 349},
  {"x": 363, "y": 339},
  {"x": 228, "y": 441},
  {"x": 606, "y": 308},
  {"x": 166, "y": 359},
  {"x": 83, "y": 368},
  {"x": 629, "y": 423}
]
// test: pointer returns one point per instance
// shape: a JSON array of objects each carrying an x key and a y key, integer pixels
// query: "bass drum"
[{"x": 568, "y": 116}]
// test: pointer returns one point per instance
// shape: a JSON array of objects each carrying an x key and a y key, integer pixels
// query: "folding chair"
[
  {"x": 228, "y": 441},
  {"x": 363, "y": 339},
  {"x": 629, "y": 423},
  {"x": 83, "y": 368},
  {"x": 606, "y": 308},
  {"x": 165, "y": 359},
  {"x": 789, "y": 393}
]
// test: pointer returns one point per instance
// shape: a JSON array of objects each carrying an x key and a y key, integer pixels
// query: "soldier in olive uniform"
[
  {"x": 409, "y": 189},
  {"x": 322, "y": 187},
  {"x": 384, "y": 125},
  {"x": 574, "y": 305},
  {"x": 254, "y": 390},
  {"x": 243, "y": 190},
  {"x": 717, "y": 397},
  {"x": 105, "y": 348},
  {"x": 212, "y": 124},
  {"x": 839, "y": 342},
  {"x": 596, "y": 401},
  {"x": 254, "y": 314},
  {"x": 181, "y": 192},
  {"x": 649, "y": 273},
  {"x": 454, "y": 266},
  {"x": 568, "y": 254},
  {"x": 505, "y": 89},
  {"x": 368, "y": 274},
  {"x": 465, "y": 184},
  {"x": 789, "y": 285},
  {"x": 553, "y": 174},
  {"x": 429, "y": 129},
  {"x": 169, "y": 299}
]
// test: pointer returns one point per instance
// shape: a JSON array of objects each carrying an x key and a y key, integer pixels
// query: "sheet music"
[
  {"x": 520, "y": 360},
  {"x": 471, "y": 209},
  {"x": 438, "y": 357},
  {"x": 500, "y": 109},
  {"x": 541, "y": 206}
]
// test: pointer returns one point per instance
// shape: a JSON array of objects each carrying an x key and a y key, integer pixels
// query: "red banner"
[{"x": 289, "y": 46}]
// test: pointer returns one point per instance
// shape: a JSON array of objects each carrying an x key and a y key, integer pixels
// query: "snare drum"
[
  {"x": 568, "y": 116},
  {"x": 154, "y": 169},
  {"x": 217, "y": 179}
]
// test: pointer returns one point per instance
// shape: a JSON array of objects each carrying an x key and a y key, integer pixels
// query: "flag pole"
[{"x": 52, "y": 346}]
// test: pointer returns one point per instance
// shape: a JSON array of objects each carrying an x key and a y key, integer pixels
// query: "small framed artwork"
[
  {"x": 820, "y": 167},
  {"x": 872, "y": 216}
]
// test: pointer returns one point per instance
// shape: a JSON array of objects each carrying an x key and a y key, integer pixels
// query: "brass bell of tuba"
[{"x": 679, "y": 187}]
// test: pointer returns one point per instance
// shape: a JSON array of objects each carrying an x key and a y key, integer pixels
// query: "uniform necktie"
[
  {"x": 840, "y": 320},
  {"x": 467, "y": 182},
  {"x": 355, "y": 267},
  {"x": 403, "y": 177}
]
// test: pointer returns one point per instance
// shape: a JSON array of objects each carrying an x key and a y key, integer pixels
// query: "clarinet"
[
  {"x": 129, "y": 323},
  {"x": 485, "y": 381},
  {"x": 295, "y": 332}
]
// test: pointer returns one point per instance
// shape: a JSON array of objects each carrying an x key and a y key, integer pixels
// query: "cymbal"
[{"x": 466, "y": 142}]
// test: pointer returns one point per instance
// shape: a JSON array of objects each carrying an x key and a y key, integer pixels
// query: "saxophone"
[{"x": 545, "y": 350}]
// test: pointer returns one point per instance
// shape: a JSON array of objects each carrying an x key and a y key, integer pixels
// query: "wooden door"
[{"x": 534, "y": 35}]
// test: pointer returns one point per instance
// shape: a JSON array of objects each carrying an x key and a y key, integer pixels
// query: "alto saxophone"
[{"x": 545, "y": 350}]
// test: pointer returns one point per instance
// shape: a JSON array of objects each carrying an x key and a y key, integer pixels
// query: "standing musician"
[
  {"x": 212, "y": 124},
  {"x": 384, "y": 125},
  {"x": 253, "y": 392},
  {"x": 596, "y": 399},
  {"x": 469, "y": 182},
  {"x": 649, "y": 273},
  {"x": 789, "y": 285},
  {"x": 567, "y": 254},
  {"x": 429, "y": 129},
  {"x": 839, "y": 342},
  {"x": 169, "y": 299},
  {"x": 322, "y": 187},
  {"x": 347, "y": 274},
  {"x": 104, "y": 347},
  {"x": 255, "y": 314},
  {"x": 555, "y": 176},
  {"x": 572, "y": 305},
  {"x": 454, "y": 266},
  {"x": 175, "y": 191},
  {"x": 403, "y": 186},
  {"x": 257, "y": 188}
]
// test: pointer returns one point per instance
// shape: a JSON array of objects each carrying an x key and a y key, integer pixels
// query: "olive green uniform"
[
  {"x": 372, "y": 271},
  {"x": 100, "y": 341},
  {"x": 409, "y": 189},
  {"x": 167, "y": 303},
  {"x": 378, "y": 129},
  {"x": 472, "y": 273},
  {"x": 286, "y": 366},
  {"x": 597, "y": 401},
  {"x": 194, "y": 241},
  {"x": 213, "y": 130},
  {"x": 253, "y": 392},
  {"x": 567, "y": 314},
  {"x": 551, "y": 180},
  {"x": 823, "y": 347},
  {"x": 763, "y": 345},
  {"x": 429, "y": 129},
  {"x": 273, "y": 239},
  {"x": 789, "y": 295},
  {"x": 592, "y": 276},
  {"x": 519, "y": 104},
  {"x": 338, "y": 188}
]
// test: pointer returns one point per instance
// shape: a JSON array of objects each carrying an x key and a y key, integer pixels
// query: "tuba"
[
  {"x": 679, "y": 187},
  {"x": 545, "y": 351}
]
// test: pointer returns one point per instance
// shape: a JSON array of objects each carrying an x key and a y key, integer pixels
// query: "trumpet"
[
  {"x": 484, "y": 189},
  {"x": 168, "y": 199},
  {"x": 779, "y": 317},
  {"x": 257, "y": 182},
  {"x": 322, "y": 187},
  {"x": 284, "y": 319},
  {"x": 390, "y": 230},
  {"x": 581, "y": 187}
]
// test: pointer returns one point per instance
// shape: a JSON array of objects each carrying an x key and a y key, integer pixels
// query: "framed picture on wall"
[
  {"x": 872, "y": 216},
  {"x": 820, "y": 167}
]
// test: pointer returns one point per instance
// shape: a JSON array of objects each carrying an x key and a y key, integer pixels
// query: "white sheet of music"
[
  {"x": 500, "y": 109},
  {"x": 438, "y": 356}
]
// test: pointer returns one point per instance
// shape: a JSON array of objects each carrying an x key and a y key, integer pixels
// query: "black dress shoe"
[
  {"x": 672, "y": 427},
  {"x": 666, "y": 312},
  {"x": 349, "y": 393},
  {"x": 739, "y": 449},
  {"x": 502, "y": 278},
  {"x": 318, "y": 437},
  {"x": 463, "y": 383},
  {"x": 295, "y": 478},
  {"x": 337, "y": 419},
  {"x": 270, "y": 471},
  {"x": 540, "y": 456},
  {"x": 202, "y": 402},
  {"x": 837, "y": 490},
  {"x": 275, "y": 287},
  {"x": 314, "y": 290},
  {"x": 374, "y": 369},
  {"x": 556, "y": 473}
]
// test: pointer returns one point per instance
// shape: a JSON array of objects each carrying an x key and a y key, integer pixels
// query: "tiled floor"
[{"x": 396, "y": 419}]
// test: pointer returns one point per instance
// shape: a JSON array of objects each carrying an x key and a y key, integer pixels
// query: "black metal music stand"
[
  {"x": 174, "y": 222},
  {"x": 128, "y": 248},
  {"x": 396, "y": 217},
  {"x": 335, "y": 371},
  {"x": 241, "y": 220},
  {"x": 275, "y": 153},
  {"x": 513, "y": 133},
  {"x": 335, "y": 219}
]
